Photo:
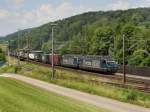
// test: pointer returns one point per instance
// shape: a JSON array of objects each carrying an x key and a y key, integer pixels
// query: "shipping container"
[
  {"x": 20, "y": 55},
  {"x": 57, "y": 59},
  {"x": 36, "y": 55},
  {"x": 45, "y": 58},
  {"x": 31, "y": 56}
]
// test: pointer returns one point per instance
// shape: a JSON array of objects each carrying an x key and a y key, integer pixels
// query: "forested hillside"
[{"x": 95, "y": 33}]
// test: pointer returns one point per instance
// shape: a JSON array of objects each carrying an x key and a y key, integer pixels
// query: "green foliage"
[
  {"x": 2, "y": 55},
  {"x": 64, "y": 49},
  {"x": 131, "y": 95},
  {"x": 7, "y": 69},
  {"x": 93, "y": 33},
  {"x": 146, "y": 61},
  {"x": 46, "y": 47},
  {"x": 102, "y": 41},
  {"x": 140, "y": 57},
  {"x": 1, "y": 51}
]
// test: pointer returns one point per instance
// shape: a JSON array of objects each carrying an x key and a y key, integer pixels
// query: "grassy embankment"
[
  {"x": 16, "y": 96},
  {"x": 83, "y": 83}
]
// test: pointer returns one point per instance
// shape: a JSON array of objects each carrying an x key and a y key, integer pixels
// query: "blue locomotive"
[{"x": 91, "y": 63}]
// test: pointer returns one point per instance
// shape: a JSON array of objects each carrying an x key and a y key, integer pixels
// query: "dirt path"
[{"x": 113, "y": 105}]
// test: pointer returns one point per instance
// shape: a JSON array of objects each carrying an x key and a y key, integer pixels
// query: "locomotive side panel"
[{"x": 70, "y": 61}]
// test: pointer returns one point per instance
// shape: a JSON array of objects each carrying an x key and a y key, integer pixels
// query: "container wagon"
[
  {"x": 45, "y": 58},
  {"x": 57, "y": 59},
  {"x": 36, "y": 55}
]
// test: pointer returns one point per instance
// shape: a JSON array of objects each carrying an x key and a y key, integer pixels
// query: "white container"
[{"x": 31, "y": 56}]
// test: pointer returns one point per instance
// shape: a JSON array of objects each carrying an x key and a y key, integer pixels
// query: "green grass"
[
  {"x": 83, "y": 83},
  {"x": 8, "y": 69},
  {"x": 16, "y": 96}
]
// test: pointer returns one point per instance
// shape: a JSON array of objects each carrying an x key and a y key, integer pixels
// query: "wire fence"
[{"x": 139, "y": 71}]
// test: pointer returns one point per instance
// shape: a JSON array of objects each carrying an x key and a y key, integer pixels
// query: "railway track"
[{"x": 115, "y": 80}]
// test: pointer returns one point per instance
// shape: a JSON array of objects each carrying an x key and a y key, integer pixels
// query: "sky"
[{"x": 22, "y": 14}]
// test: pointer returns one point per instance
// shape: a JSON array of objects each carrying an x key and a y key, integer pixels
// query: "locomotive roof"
[{"x": 90, "y": 56}]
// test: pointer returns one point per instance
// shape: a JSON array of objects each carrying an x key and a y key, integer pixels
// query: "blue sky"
[{"x": 21, "y": 14}]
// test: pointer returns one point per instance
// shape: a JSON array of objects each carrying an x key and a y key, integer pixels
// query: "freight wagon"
[
  {"x": 22, "y": 55},
  {"x": 56, "y": 59},
  {"x": 45, "y": 58},
  {"x": 36, "y": 55}
]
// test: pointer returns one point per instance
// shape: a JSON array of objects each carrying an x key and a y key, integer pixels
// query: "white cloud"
[
  {"x": 18, "y": 1},
  {"x": 145, "y": 3},
  {"x": 3, "y": 14},
  {"x": 148, "y": 1},
  {"x": 39, "y": 16},
  {"x": 13, "y": 20},
  {"x": 120, "y": 4},
  {"x": 67, "y": 9}
]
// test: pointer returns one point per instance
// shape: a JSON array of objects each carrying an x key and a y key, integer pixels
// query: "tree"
[
  {"x": 146, "y": 61},
  {"x": 46, "y": 47},
  {"x": 2, "y": 55},
  {"x": 102, "y": 41},
  {"x": 139, "y": 58}
]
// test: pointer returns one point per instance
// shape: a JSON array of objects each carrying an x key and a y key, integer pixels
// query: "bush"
[
  {"x": 131, "y": 95},
  {"x": 17, "y": 69},
  {"x": 2, "y": 57},
  {"x": 136, "y": 58},
  {"x": 7, "y": 69},
  {"x": 146, "y": 61}
]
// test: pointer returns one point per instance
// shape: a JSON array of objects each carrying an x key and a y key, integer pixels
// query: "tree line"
[{"x": 94, "y": 33}]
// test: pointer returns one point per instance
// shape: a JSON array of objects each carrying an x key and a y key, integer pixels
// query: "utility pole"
[
  {"x": 27, "y": 48},
  {"x": 8, "y": 52},
  {"x": 18, "y": 49},
  {"x": 28, "y": 44},
  {"x": 53, "y": 74},
  {"x": 124, "y": 68}
]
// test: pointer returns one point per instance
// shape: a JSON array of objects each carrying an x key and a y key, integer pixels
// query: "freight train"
[{"x": 91, "y": 63}]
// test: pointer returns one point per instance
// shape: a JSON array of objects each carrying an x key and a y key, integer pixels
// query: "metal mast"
[
  {"x": 124, "y": 68},
  {"x": 53, "y": 74}
]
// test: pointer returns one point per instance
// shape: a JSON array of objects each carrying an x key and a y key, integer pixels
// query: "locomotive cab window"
[
  {"x": 103, "y": 64},
  {"x": 75, "y": 61},
  {"x": 111, "y": 63}
]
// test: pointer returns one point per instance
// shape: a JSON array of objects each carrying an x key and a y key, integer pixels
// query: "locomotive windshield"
[{"x": 111, "y": 64}]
